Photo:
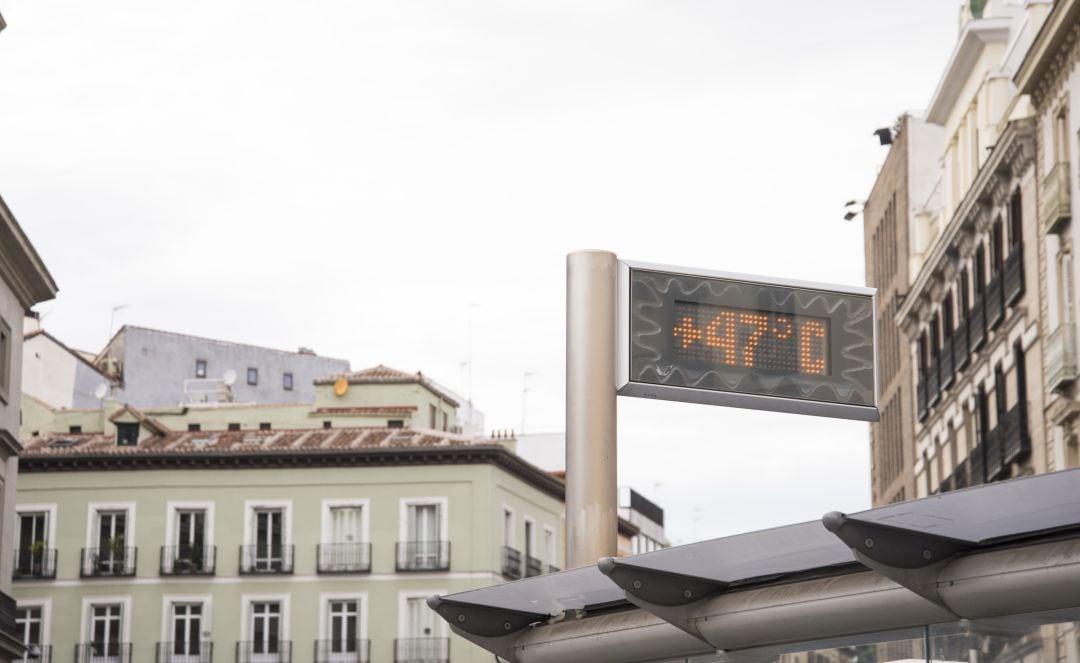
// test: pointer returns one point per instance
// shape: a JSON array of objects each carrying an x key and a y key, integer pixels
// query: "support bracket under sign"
[{"x": 710, "y": 337}]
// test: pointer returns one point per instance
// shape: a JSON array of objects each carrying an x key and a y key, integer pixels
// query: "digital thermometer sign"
[{"x": 724, "y": 339}]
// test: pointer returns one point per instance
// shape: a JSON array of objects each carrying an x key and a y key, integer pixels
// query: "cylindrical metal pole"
[{"x": 592, "y": 519}]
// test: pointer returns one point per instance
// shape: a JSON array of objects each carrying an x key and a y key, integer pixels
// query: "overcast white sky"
[{"x": 350, "y": 176}]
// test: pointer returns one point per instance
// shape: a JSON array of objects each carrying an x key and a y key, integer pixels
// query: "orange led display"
[{"x": 765, "y": 340}]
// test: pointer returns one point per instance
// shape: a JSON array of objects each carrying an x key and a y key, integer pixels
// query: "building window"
[
  {"x": 395, "y": 423},
  {"x": 200, "y": 368},
  {"x": 327, "y": 425},
  {"x": 433, "y": 414},
  {"x": 127, "y": 435},
  {"x": 234, "y": 426},
  {"x": 286, "y": 382},
  {"x": 5, "y": 360},
  {"x": 267, "y": 535},
  {"x": 30, "y": 627},
  {"x": 423, "y": 544},
  {"x": 446, "y": 421},
  {"x": 186, "y": 631},
  {"x": 266, "y": 637},
  {"x": 265, "y": 425},
  {"x": 997, "y": 248},
  {"x": 253, "y": 376},
  {"x": 343, "y": 632},
  {"x": 106, "y": 633},
  {"x": 194, "y": 428},
  {"x": 74, "y": 429},
  {"x": 111, "y": 554},
  {"x": 32, "y": 557},
  {"x": 188, "y": 552}
]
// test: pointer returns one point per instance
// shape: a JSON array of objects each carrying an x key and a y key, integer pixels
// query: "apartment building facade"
[
  {"x": 24, "y": 281},
  {"x": 268, "y": 546}
]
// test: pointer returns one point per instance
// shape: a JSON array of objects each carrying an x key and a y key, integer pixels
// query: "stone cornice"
[
  {"x": 977, "y": 33},
  {"x": 20, "y": 266},
  {"x": 1052, "y": 53},
  {"x": 471, "y": 455}
]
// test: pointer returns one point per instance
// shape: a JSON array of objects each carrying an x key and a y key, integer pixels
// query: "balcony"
[
  {"x": 1014, "y": 275},
  {"x": 920, "y": 397},
  {"x": 994, "y": 453},
  {"x": 1016, "y": 444},
  {"x": 342, "y": 651},
  {"x": 961, "y": 348},
  {"x": 511, "y": 562},
  {"x": 37, "y": 654},
  {"x": 195, "y": 651},
  {"x": 108, "y": 562},
  {"x": 8, "y": 608},
  {"x": 1061, "y": 367},
  {"x": 946, "y": 367},
  {"x": 266, "y": 559},
  {"x": 264, "y": 651},
  {"x": 533, "y": 567},
  {"x": 188, "y": 560},
  {"x": 35, "y": 564},
  {"x": 995, "y": 304},
  {"x": 423, "y": 556},
  {"x": 102, "y": 652},
  {"x": 422, "y": 650},
  {"x": 343, "y": 557},
  {"x": 977, "y": 324},
  {"x": 1055, "y": 200}
]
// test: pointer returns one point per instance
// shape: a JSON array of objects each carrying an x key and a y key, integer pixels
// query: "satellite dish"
[
  {"x": 102, "y": 391},
  {"x": 341, "y": 385},
  {"x": 229, "y": 378}
]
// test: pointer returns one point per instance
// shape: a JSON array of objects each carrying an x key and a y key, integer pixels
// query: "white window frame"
[
  {"x": 509, "y": 529},
  {"x": 403, "y": 611},
  {"x": 551, "y": 555},
  {"x": 246, "y": 601},
  {"x": 444, "y": 515},
  {"x": 365, "y": 517},
  {"x": 46, "y": 616},
  {"x": 324, "y": 611},
  {"x": 21, "y": 509},
  {"x": 171, "y": 512},
  {"x": 91, "y": 521},
  {"x": 88, "y": 602},
  {"x": 525, "y": 546},
  {"x": 249, "y": 518},
  {"x": 167, "y": 602}
]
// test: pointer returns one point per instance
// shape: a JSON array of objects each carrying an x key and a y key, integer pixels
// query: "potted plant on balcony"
[
  {"x": 37, "y": 557},
  {"x": 114, "y": 563}
]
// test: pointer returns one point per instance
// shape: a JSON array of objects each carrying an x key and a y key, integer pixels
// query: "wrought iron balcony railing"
[
  {"x": 261, "y": 558},
  {"x": 103, "y": 652},
  {"x": 994, "y": 453},
  {"x": 342, "y": 651},
  {"x": 188, "y": 560},
  {"x": 533, "y": 567},
  {"x": 961, "y": 347},
  {"x": 33, "y": 564},
  {"x": 423, "y": 556},
  {"x": 264, "y": 651},
  {"x": 1014, "y": 275},
  {"x": 920, "y": 396},
  {"x": 995, "y": 304},
  {"x": 108, "y": 562},
  {"x": 343, "y": 557},
  {"x": 946, "y": 366},
  {"x": 422, "y": 650},
  {"x": 511, "y": 562},
  {"x": 1055, "y": 207},
  {"x": 195, "y": 651},
  {"x": 1061, "y": 365},
  {"x": 37, "y": 654}
]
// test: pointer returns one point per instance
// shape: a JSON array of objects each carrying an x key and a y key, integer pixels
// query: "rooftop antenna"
[{"x": 112, "y": 319}]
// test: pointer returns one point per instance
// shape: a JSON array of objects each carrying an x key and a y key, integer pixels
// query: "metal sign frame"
[{"x": 626, "y": 387}]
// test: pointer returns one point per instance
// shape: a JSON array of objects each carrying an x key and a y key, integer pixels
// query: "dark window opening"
[
  {"x": 395, "y": 423},
  {"x": 234, "y": 426},
  {"x": 999, "y": 391},
  {"x": 947, "y": 317},
  {"x": 1016, "y": 222},
  {"x": 127, "y": 435},
  {"x": 996, "y": 247},
  {"x": 980, "y": 269},
  {"x": 194, "y": 428},
  {"x": 200, "y": 368},
  {"x": 964, "y": 284},
  {"x": 264, "y": 425},
  {"x": 253, "y": 376},
  {"x": 286, "y": 381},
  {"x": 74, "y": 429},
  {"x": 327, "y": 424}
]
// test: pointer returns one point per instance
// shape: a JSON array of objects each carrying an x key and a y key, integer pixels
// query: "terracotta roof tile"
[{"x": 385, "y": 375}]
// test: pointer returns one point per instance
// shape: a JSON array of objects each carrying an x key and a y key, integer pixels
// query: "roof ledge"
[{"x": 976, "y": 35}]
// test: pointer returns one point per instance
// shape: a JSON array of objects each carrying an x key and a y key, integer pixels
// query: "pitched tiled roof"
[
  {"x": 385, "y": 375},
  {"x": 245, "y": 441}
]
